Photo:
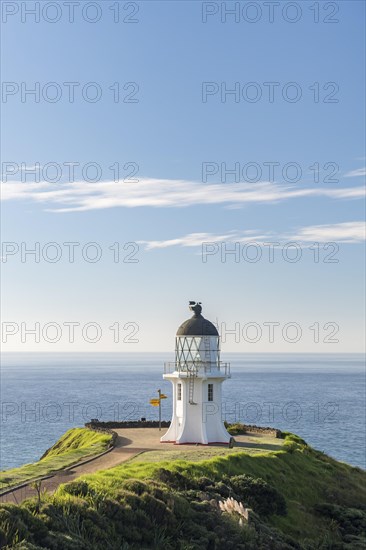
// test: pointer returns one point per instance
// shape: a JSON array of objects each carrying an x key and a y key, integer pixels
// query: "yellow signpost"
[{"x": 156, "y": 402}]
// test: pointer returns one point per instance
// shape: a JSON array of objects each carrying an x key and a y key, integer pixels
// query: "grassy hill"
[
  {"x": 299, "y": 497},
  {"x": 75, "y": 445}
]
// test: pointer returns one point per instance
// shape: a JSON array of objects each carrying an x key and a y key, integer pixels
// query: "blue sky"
[{"x": 167, "y": 135}]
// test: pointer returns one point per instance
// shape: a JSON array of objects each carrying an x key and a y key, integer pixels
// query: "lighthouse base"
[
  {"x": 197, "y": 420},
  {"x": 188, "y": 435}
]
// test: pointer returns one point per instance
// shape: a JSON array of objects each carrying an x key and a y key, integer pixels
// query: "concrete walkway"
[{"x": 129, "y": 443}]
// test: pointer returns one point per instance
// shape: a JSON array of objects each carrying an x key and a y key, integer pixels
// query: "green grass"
[
  {"x": 137, "y": 501},
  {"x": 74, "y": 445},
  {"x": 252, "y": 446},
  {"x": 193, "y": 456},
  {"x": 304, "y": 476}
]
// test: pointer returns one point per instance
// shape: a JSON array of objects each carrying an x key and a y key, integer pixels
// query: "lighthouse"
[{"x": 197, "y": 376}]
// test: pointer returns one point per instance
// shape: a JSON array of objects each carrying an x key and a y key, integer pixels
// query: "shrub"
[
  {"x": 258, "y": 494},
  {"x": 76, "y": 488},
  {"x": 350, "y": 520},
  {"x": 175, "y": 480},
  {"x": 236, "y": 429},
  {"x": 293, "y": 437},
  {"x": 204, "y": 482},
  {"x": 135, "y": 486},
  {"x": 155, "y": 509},
  {"x": 17, "y": 524}
]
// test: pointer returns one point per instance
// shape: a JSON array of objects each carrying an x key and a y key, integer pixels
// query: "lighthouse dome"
[{"x": 197, "y": 325}]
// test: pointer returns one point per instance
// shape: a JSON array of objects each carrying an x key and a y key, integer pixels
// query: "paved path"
[
  {"x": 129, "y": 443},
  {"x": 121, "y": 452}
]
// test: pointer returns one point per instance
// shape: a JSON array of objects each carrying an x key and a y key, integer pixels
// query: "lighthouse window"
[
  {"x": 210, "y": 392},
  {"x": 188, "y": 350},
  {"x": 179, "y": 392}
]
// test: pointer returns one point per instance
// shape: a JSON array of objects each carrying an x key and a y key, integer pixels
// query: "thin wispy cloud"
[
  {"x": 196, "y": 239},
  {"x": 148, "y": 192},
  {"x": 356, "y": 173},
  {"x": 348, "y": 232}
]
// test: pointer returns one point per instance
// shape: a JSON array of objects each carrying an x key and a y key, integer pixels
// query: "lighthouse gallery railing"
[{"x": 191, "y": 366}]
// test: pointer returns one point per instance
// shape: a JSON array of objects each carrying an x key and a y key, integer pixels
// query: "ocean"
[{"x": 320, "y": 397}]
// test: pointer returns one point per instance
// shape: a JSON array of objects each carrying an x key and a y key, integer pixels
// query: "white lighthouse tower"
[{"x": 197, "y": 376}]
